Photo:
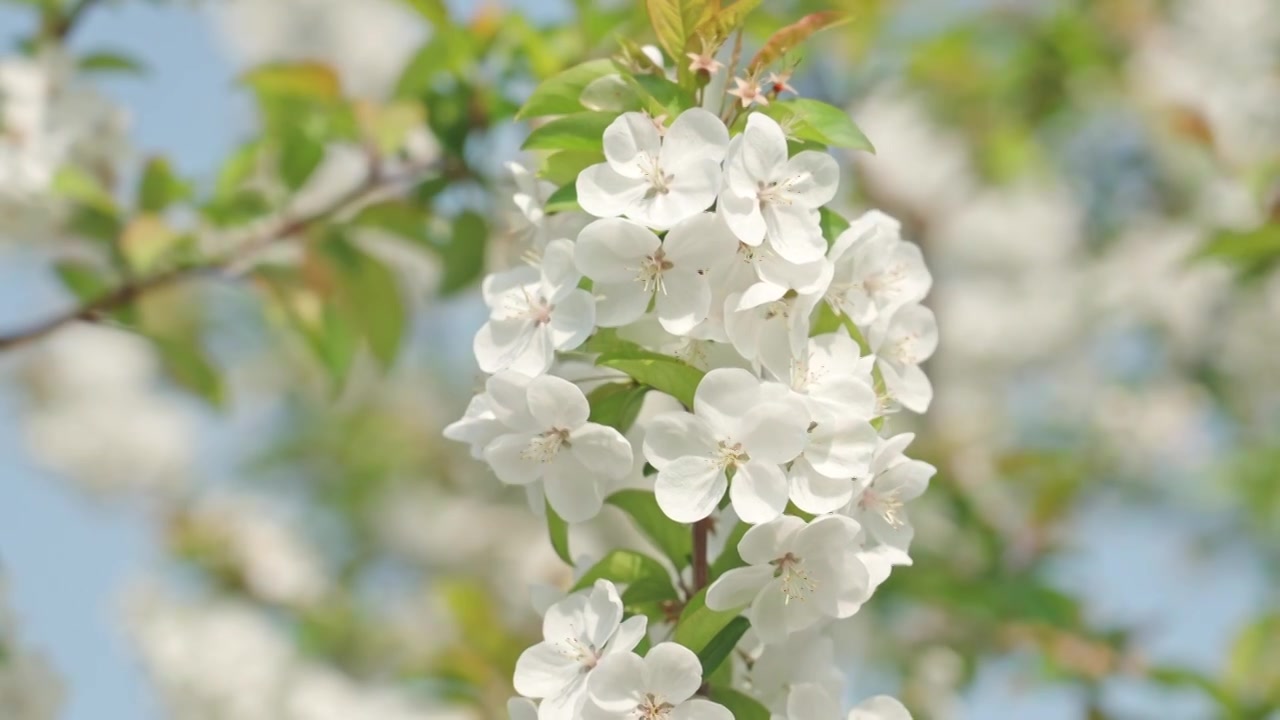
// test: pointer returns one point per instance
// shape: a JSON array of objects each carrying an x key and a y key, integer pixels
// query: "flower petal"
[
  {"x": 759, "y": 492},
  {"x": 628, "y": 137},
  {"x": 880, "y": 707},
  {"x": 604, "y": 193},
  {"x": 816, "y": 493},
  {"x": 684, "y": 301},
  {"x": 814, "y": 178},
  {"x": 573, "y": 320},
  {"x": 769, "y": 541},
  {"x": 499, "y": 343},
  {"x": 557, "y": 403},
  {"x": 794, "y": 232},
  {"x": 672, "y": 672},
  {"x": 675, "y": 435},
  {"x": 543, "y": 671},
  {"x": 695, "y": 135},
  {"x": 602, "y": 450},
  {"x": 808, "y": 700},
  {"x": 572, "y": 489},
  {"x": 629, "y": 634},
  {"x": 622, "y": 303},
  {"x": 615, "y": 684},
  {"x": 610, "y": 250},
  {"x": 701, "y": 242},
  {"x": 742, "y": 215},
  {"x": 699, "y": 709},
  {"x": 738, "y": 587},
  {"x": 511, "y": 462},
  {"x": 724, "y": 396},
  {"x": 689, "y": 488}
]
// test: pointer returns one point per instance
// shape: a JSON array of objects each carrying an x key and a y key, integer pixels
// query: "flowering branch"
[{"x": 706, "y": 267}]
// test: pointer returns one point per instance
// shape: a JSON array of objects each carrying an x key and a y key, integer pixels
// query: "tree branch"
[
  {"x": 131, "y": 291},
  {"x": 701, "y": 568},
  {"x": 61, "y": 27}
]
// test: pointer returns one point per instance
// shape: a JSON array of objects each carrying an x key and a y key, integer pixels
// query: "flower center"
[
  {"x": 730, "y": 454},
  {"x": 887, "y": 505},
  {"x": 653, "y": 708},
  {"x": 778, "y": 308},
  {"x": 904, "y": 350},
  {"x": 581, "y": 652},
  {"x": 543, "y": 448},
  {"x": 529, "y": 306},
  {"x": 796, "y": 582},
  {"x": 775, "y": 193},
  {"x": 651, "y": 270},
  {"x": 659, "y": 181}
]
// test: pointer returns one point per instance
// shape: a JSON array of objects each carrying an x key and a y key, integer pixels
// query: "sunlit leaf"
[
  {"x": 699, "y": 625},
  {"x": 561, "y": 94},
  {"x": 579, "y": 131},
  {"x": 307, "y": 80},
  {"x": 674, "y": 539},
  {"x": 743, "y": 707},
  {"x": 675, "y": 22},
  {"x": 617, "y": 404},
  {"x": 819, "y": 122}
]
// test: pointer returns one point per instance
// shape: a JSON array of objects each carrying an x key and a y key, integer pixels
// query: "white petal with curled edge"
[
  {"x": 626, "y": 139},
  {"x": 738, "y": 587},
  {"x": 794, "y": 232},
  {"x": 572, "y": 489},
  {"x": 684, "y": 301},
  {"x": 604, "y": 193},
  {"x": 880, "y": 707},
  {"x": 769, "y": 541},
  {"x": 815, "y": 176}
]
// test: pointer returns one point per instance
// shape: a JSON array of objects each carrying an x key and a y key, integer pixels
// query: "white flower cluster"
[{"x": 711, "y": 250}]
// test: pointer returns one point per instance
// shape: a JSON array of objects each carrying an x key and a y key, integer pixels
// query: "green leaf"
[
  {"x": 611, "y": 93},
  {"x": 302, "y": 80},
  {"x": 722, "y": 645},
  {"x": 558, "y": 530},
  {"x": 237, "y": 208},
  {"x": 368, "y": 294},
  {"x": 160, "y": 187},
  {"x": 674, "y": 539},
  {"x": 729, "y": 557},
  {"x": 819, "y": 122},
  {"x": 85, "y": 280},
  {"x": 564, "y": 199},
  {"x": 300, "y": 155},
  {"x": 238, "y": 168},
  {"x": 675, "y": 22},
  {"x": 661, "y": 372},
  {"x": 436, "y": 12},
  {"x": 397, "y": 217},
  {"x": 832, "y": 224},
  {"x": 563, "y": 168},
  {"x": 617, "y": 404},
  {"x": 741, "y": 706},
  {"x": 791, "y": 36},
  {"x": 579, "y": 131},
  {"x": 720, "y": 25},
  {"x": 1252, "y": 251},
  {"x": 627, "y": 567},
  {"x": 111, "y": 62},
  {"x": 699, "y": 625},
  {"x": 561, "y": 94},
  {"x": 464, "y": 253},
  {"x": 189, "y": 365},
  {"x": 75, "y": 184}
]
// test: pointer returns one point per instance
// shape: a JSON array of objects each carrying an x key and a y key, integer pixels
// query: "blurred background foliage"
[{"x": 262, "y": 357}]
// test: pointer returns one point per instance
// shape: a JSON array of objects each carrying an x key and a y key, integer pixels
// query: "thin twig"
[
  {"x": 131, "y": 291},
  {"x": 62, "y": 27},
  {"x": 734, "y": 59}
]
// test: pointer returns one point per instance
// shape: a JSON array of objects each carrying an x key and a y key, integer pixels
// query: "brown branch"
[
  {"x": 701, "y": 569},
  {"x": 131, "y": 291},
  {"x": 60, "y": 27}
]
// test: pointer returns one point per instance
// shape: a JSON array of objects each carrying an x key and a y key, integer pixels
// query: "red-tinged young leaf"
[{"x": 791, "y": 37}]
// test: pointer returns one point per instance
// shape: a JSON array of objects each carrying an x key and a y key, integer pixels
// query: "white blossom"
[
  {"x": 578, "y": 633},
  {"x": 811, "y": 702},
  {"x": 879, "y": 502},
  {"x": 661, "y": 685},
  {"x": 534, "y": 313},
  {"x": 768, "y": 195},
  {"x": 797, "y": 574},
  {"x": 548, "y": 439},
  {"x": 630, "y": 267},
  {"x": 656, "y": 176},
  {"x": 876, "y": 271},
  {"x": 803, "y": 657},
  {"x": 900, "y": 344},
  {"x": 738, "y": 424}
]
